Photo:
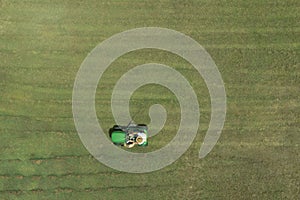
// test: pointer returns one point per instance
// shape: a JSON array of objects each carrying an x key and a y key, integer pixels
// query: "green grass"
[{"x": 255, "y": 45}]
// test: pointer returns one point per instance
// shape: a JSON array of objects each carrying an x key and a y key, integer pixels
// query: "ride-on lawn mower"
[{"x": 129, "y": 136}]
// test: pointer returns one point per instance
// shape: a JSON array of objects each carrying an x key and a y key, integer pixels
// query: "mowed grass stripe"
[
  {"x": 58, "y": 83},
  {"x": 213, "y": 40},
  {"x": 78, "y": 182},
  {"x": 155, "y": 192}
]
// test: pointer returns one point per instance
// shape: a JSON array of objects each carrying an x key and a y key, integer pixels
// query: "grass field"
[{"x": 256, "y": 47}]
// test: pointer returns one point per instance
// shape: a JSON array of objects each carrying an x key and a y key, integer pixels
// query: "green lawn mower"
[{"x": 129, "y": 136}]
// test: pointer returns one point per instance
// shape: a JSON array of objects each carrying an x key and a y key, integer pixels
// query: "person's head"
[{"x": 139, "y": 140}]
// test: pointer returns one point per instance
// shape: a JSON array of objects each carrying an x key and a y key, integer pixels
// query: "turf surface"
[{"x": 255, "y": 44}]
